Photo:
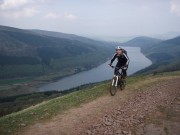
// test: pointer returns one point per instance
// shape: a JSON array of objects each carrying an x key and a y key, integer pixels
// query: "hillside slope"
[
  {"x": 71, "y": 37},
  {"x": 170, "y": 47},
  {"x": 28, "y": 53},
  {"x": 94, "y": 111},
  {"x": 142, "y": 42},
  {"x": 164, "y": 55}
]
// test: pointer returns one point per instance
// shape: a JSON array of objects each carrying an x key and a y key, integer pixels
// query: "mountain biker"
[{"x": 122, "y": 63}]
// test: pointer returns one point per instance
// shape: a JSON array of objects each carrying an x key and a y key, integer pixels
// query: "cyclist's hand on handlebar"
[{"x": 111, "y": 65}]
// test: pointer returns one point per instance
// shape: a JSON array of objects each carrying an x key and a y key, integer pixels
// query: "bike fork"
[{"x": 115, "y": 82}]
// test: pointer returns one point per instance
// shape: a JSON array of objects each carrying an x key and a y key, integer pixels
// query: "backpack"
[{"x": 124, "y": 51}]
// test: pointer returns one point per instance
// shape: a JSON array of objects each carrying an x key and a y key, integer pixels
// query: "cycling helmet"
[{"x": 118, "y": 48}]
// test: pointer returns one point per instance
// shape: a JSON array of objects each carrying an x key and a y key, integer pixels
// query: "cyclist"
[{"x": 122, "y": 63}]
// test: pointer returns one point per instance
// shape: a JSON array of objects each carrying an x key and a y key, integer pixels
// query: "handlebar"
[
  {"x": 117, "y": 67},
  {"x": 112, "y": 66}
]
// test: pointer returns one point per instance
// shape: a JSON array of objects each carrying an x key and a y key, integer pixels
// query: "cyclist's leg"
[
  {"x": 124, "y": 73},
  {"x": 116, "y": 69},
  {"x": 116, "y": 74}
]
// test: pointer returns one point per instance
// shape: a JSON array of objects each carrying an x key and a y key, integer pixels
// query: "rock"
[
  {"x": 130, "y": 133},
  {"x": 47, "y": 113},
  {"x": 141, "y": 116},
  {"x": 107, "y": 123},
  {"x": 134, "y": 110},
  {"x": 96, "y": 125},
  {"x": 119, "y": 131},
  {"x": 125, "y": 132},
  {"x": 22, "y": 124},
  {"x": 45, "y": 110},
  {"x": 88, "y": 132},
  {"x": 32, "y": 113}
]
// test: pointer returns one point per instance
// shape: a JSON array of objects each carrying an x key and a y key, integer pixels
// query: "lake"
[{"x": 103, "y": 72}]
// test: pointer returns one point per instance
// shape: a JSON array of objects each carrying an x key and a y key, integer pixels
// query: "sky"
[{"x": 93, "y": 17}]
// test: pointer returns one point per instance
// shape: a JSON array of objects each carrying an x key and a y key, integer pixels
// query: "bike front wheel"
[{"x": 113, "y": 88}]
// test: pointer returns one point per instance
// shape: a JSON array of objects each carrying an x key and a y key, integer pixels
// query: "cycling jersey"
[{"x": 122, "y": 60}]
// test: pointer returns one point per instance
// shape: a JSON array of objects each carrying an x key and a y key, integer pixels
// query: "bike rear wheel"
[{"x": 113, "y": 89}]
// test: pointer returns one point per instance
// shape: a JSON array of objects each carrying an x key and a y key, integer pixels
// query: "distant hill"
[
  {"x": 69, "y": 36},
  {"x": 142, "y": 42},
  {"x": 29, "y": 53},
  {"x": 169, "y": 47},
  {"x": 164, "y": 55}
]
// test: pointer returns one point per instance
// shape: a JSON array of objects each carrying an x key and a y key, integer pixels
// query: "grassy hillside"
[
  {"x": 46, "y": 110},
  {"x": 10, "y": 104},
  {"x": 28, "y": 53},
  {"x": 169, "y": 47},
  {"x": 164, "y": 55}
]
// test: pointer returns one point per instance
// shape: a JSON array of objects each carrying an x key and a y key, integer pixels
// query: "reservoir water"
[{"x": 103, "y": 72}]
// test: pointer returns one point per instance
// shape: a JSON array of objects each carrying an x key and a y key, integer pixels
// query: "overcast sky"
[{"x": 93, "y": 17}]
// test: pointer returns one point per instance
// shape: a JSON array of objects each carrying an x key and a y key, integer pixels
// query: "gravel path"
[{"x": 131, "y": 114}]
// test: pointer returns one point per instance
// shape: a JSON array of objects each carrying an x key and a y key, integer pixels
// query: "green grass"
[
  {"x": 48, "y": 109},
  {"x": 14, "y": 81},
  {"x": 12, "y": 71},
  {"x": 11, "y": 123},
  {"x": 161, "y": 67}
]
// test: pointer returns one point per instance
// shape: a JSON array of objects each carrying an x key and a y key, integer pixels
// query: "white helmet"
[{"x": 118, "y": 48}]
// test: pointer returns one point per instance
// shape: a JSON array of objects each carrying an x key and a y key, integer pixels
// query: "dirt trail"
[{"x": 127, "y": 113}]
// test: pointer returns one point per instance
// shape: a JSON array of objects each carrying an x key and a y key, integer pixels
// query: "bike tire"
[{"x": 113, "y": 89}]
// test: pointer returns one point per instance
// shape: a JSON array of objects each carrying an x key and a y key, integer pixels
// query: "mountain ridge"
[
  {"x": 164, "y": 55},
  {"x": 50, "y": 52},
  {"x": 141, "y": 41}
]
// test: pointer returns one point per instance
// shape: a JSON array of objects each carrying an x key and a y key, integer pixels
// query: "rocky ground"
[{"x": 131, "y": 118}]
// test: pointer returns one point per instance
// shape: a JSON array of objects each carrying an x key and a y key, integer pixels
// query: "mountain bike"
[{"x": 117, "y": 82}]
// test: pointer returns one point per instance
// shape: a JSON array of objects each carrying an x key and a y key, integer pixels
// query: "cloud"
[
  {"x": 51, "y": 15},
  {"x": 70, "y": 16},
  {"x": 12, "y": 4},
  {"x": 25, "y": 13},
  {"x": 65, "y": 16},
  {"x": 175, "y": 7},
  {"x": 15, "y": 9}
]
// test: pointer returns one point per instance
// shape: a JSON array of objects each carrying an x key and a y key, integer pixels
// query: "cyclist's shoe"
[{"x": 123, "y": 77}]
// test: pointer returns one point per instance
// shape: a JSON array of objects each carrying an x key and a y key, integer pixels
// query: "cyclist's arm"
[
  {"x": 113, "y": 58},
  {"x": 127, "y": 58}
]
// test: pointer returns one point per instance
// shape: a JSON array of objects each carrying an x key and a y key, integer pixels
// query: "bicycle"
[{"x": 117, "y": 83}]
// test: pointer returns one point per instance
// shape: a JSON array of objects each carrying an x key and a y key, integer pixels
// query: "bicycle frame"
[
  {"x": 117, "y": 82},
  {"x": 117, "y": 77}
]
